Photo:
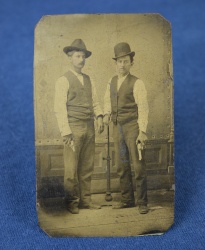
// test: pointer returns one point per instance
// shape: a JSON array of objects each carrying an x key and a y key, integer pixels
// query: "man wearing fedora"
[
  {"x": 76, "y": 107},
  {"x": 125, "y": 104}
]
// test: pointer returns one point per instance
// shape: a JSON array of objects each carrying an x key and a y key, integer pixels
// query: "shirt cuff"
[
  {"x": 101, "y": 115},
  {"x": 98, "y": 113},
  {"x": 66, "y": 131},
  {"x": 142, "y": 127}
]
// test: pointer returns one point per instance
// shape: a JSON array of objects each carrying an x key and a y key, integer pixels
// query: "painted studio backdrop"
[{"x": 150, "y": 37}]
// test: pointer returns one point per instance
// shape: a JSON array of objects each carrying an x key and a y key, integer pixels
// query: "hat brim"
[
  {"x": 71, "y": 48},
  {"x": 126, "y": 54}
]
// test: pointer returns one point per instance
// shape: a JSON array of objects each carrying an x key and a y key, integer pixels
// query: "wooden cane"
[{"x": 108, "y": 196}]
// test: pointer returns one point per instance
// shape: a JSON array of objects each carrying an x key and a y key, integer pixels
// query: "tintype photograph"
[{"x": 104, "y": 130}]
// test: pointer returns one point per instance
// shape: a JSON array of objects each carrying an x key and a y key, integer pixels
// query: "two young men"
[{"x": 76, "y": 105}]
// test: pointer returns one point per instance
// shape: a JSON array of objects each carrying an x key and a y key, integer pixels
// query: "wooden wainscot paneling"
[
  {"x": 50, "y": 168},
  {"x": 156, "y": 155}
]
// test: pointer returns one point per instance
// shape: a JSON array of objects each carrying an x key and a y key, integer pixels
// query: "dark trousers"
[
  {"x": 126, "y": 153},
  {"x": 79, "y": 164}
]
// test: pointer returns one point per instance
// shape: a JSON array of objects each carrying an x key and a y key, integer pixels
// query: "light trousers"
[{"x": 79, "y": 164}]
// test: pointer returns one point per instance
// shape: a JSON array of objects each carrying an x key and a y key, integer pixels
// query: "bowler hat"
[
  {"x": 122, "y": 49},
  {"x": 77, "y": 45}
]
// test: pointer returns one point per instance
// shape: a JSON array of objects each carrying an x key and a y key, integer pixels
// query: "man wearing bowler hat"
[
  {"x": 76, "y": 107},
  {"x": 125, "y": 104}
]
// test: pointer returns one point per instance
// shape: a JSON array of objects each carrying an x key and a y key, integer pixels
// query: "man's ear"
[{"x": 69, "y": 58}]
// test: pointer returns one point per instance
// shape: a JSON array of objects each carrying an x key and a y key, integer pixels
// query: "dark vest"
[
  {"x": 124, "y": 108},
  {"x": 79, "y": 98}
]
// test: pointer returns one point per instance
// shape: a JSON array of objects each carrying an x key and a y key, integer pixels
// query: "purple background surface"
[{"x": 19, "y": 229}]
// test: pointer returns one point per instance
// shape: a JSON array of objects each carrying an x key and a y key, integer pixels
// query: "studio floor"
[{"x": 56, "y": 221}]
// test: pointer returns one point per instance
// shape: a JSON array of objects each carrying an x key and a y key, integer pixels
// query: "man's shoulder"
[
  {"x": 133, "y": 77},
  {"x": 113, "y": 79},
  {"x": 62, "y": 80},
  {"x": 70, "y": 74},
  {"x": 87, "y": 76},
  {"x": 67, "y": 74},
  {"x": 62, "y": 77}
]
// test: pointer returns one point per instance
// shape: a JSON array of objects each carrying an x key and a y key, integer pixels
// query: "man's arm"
[
  {"x": 107, "y": 106},
  {"x": 61, "y": 91},
  {"x": 97, "y": 109},
  {"x": 140, "y": 95}
]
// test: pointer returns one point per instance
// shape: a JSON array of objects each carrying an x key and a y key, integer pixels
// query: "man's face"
[
  {"x": 78, "y": 59},
  {"x": 123, "y": 65}
]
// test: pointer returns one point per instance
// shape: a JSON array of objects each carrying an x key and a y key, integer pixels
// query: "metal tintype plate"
[{"x": 104, "y": 132}]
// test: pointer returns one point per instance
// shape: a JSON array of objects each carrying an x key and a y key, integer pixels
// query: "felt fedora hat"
[
  {"x": 122, "y": 49},
  {"x": 77, "y": 45}
]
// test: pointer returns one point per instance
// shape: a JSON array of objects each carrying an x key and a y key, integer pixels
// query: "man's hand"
[
  {"x": 142, "y": 137},
  {"x": 69, "y": 141},
  {"x": 100, "y": 125},
  {"x": 106, "y": 119}
]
